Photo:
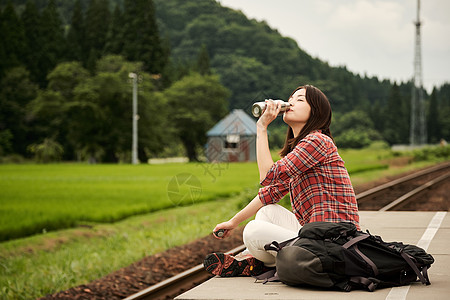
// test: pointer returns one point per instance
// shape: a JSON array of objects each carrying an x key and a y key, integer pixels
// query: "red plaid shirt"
[{"x": 319, "y": 184}]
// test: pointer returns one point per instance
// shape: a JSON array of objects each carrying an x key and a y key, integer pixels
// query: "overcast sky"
[{"x": 373, "y": 37}]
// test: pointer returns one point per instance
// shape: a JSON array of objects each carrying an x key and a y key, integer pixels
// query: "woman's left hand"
[
  {"x": 270, "y": 113},
  {"x": 226, "y": 227}
]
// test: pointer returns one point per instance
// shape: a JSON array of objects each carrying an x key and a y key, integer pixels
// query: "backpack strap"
[
  {"x": 369, "y": 283},
  {"x": 355, "y": 240},
  {"x": 272, "y": 275},
  {"x": 269, "y": 276},
  {"x": 352, "y": 243},
  {"x": 367, "y": 260},
  {"x": 275, "y": 246},
  {"x": 425, "y": 274},
  {"x": 423, "y": 277}
]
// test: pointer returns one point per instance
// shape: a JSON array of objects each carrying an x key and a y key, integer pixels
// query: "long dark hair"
[{"x": 320, "y": 118}]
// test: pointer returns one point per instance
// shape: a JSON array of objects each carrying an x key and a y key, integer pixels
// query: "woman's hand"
[
  {"x": 227, "y": 227},
  {"x": 244, "y": 214},
  {"x": 270, "y": 113}
]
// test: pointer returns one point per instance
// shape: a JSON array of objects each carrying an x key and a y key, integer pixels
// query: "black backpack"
[{"x": 337, "y": 255}]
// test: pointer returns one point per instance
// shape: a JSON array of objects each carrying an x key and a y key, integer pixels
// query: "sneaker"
[{"x": 226, "y": 265}]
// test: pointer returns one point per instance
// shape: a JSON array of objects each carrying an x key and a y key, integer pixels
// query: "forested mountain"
[
  {"x": 65, "y": 51},
  {"x": 255, "y": 60}
]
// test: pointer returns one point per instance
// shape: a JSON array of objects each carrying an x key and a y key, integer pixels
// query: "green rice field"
[{"x": 39, "y": 198}]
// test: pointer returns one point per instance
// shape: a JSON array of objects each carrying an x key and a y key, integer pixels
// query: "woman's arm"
[
  {"x": 247, "y": 212},
  {"x": 263, "y": 156}
]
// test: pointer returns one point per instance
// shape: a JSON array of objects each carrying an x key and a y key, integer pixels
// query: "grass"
[
  {"x": 40, "y": 198},
  {"x": 46, "y": 263},
  {"x": 50, "y": 261},
  {"x": 371, "y": 164},
  {"x": 358, "y": 161}
]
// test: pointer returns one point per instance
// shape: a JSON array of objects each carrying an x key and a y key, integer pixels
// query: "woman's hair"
[{"x": 319, "y": 119}]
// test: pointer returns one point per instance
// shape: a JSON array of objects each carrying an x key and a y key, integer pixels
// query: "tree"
[
  {"x": 376, "y": 114},
  {"x": 141, "y": 40},
  {"x": 47, "y": 117},
  {"x": 102, "y": 114},
  {"x": 433, "y": 126},
  {"x": 205, "y": 30},
  {"x": 47, "y": 151},
  {"x": 76, "y": 37},
  {"x": 52, "y": 40},
  {"x": 443, "y": 96},
  {"x": 101, "y": 101},
  {"x": 51, "y": 110},
  {"x": 246, "y": 77},
  {"x": 31, "y": 21},
  {"x": 114, "y": 37},
  {"x": 12, "y": 41},
  {"x": 202, "y": 66},
  {"x": 98, "y": 18},
  {"x": 5, "y": 142},
  {"x": 196, "y": 103},
  {"x": 16, "y": 91},
  {"x": 354, "y": 130},
  {"x": 396, "y": 121},
  {"x": 445, "y": 123},
  {"x": 353, "y": 138},
  {"x": 65, "y": 77}
]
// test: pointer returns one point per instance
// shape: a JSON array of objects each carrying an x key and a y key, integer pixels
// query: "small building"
[{"x": 232, "y": 139}]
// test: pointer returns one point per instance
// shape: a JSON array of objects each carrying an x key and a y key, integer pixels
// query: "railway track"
[
  {"x": 397, "y": 193},
  {"x": 389, "y": 196},
  {"x": 171, "y": 287}
]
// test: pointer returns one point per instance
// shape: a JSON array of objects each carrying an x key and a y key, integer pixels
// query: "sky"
[{"x": 369, "y": 37}]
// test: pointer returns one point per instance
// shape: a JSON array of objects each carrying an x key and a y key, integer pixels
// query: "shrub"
[
  {"x": 353, "y": 138},
  {"x": 48, "y": 151},
  {"x": 432, "y": 153}
]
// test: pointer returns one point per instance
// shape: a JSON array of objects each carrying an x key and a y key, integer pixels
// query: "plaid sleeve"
[
  {"x": 272, "y": 193},
  {"x": 309, "y": 152},
  {"x": 276, "y": 175}
]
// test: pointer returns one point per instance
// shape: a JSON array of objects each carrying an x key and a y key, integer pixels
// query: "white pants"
[{"x": 272, "y": 223}]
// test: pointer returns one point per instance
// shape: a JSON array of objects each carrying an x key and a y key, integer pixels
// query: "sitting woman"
[{"x": 311, "y": 170}]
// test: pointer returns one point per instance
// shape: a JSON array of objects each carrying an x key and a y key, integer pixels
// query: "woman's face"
[{"x": 299, "y": 111}]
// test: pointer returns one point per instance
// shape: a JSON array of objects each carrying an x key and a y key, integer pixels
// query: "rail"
[
  {"x": 401, "y": 180},
  {"x": 414, "y": 192},
  {"x": 177, "y": 282}
]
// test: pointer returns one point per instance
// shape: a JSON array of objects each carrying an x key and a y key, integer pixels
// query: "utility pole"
[
  {"x": 135, "y": 117},
  {"x": 418, "y": 133}
]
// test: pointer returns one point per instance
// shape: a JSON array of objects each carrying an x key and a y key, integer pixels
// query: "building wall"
[{"x": 217, "y": 149}]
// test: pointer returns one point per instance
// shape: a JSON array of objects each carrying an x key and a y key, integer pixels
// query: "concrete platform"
[{"x": 429, "y": 230}]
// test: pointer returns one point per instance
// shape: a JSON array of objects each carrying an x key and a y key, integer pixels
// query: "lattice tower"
[{"x": 418, "y": 133}]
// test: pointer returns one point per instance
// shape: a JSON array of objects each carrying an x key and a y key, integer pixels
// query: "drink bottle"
[
  {"x": 219, "y": 233},
  {"x": 258, "y": 107}
]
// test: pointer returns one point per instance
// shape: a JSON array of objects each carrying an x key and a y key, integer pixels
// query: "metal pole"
[{"x": 135, "y": 117}]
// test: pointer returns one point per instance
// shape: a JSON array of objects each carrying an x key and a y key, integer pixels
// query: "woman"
[{"x": 311, "y": 170}]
